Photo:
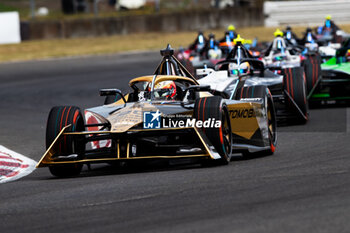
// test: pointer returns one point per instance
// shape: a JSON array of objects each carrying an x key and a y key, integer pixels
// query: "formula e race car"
[
  {"x": 201, "y": 53},
  {"x": 328, "y": 46},
  {"x": 334, "y": 86},
  {"x": 286, "y": 84},
  {"x": 166, "y": 116},
  {"x": 282, "y": 55}
]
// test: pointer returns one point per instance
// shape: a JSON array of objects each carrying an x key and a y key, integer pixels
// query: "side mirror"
[
  {"x": 111, "y": 93},
  {"x": 107, "y": 92}
]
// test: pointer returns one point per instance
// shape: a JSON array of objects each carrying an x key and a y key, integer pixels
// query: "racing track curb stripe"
[{"x": 13, "y": 165}]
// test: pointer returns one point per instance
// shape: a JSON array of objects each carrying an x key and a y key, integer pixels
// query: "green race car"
[{"x": 334, "y": 84}]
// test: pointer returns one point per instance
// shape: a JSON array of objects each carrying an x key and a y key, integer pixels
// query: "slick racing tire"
[
  {"x": 264, "y": 93},
  {"x": 312, "y": 68},
  {"x": 60, "y": 117},
  {"x": 294, "y": 84},
  {"x": 221, "y": 138}
]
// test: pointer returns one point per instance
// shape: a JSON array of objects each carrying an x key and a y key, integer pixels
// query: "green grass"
[{"x": 4, "y": 8}]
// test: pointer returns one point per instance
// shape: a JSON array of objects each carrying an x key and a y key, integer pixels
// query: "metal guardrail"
[{"x": 305, "y": 12}]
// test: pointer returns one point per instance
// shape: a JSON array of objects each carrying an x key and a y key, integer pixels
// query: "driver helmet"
[
  {"x": 165, "y": 90},
  {"x": 231, "y": 30},
  {"x": 328, "y": 21},
  {"x": 278, "y": 33}
]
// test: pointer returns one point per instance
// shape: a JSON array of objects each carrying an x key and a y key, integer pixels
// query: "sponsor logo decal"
[
  {"x": 155, "y": 120},
  {"x": 151, "y": 120},
  {"x": 242, "y": 113},
  {"x": 191, "y": 122}
]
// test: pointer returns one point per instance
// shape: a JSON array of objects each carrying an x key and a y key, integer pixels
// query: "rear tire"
[
  {"x": 312, "y": 68},
  {"x": 221, "y": 138},
  {"x": 60, "y": 117},
  {"x": 295, "y": 85}
]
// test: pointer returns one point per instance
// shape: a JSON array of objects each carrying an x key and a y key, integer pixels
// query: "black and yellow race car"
[{"x": 165, "y": 116}]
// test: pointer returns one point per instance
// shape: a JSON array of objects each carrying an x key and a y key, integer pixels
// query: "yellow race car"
[{"x": 165, "y": 116}]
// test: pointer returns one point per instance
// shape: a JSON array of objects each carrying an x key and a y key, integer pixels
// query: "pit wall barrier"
[{"x": 171, "y": 22}]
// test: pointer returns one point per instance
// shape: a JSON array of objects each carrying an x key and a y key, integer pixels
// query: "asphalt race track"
[{"x": 304, "y": 187}]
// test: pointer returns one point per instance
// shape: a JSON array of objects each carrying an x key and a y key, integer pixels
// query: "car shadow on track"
[
  {"x": 123, "y": 168},
  {"x": 344, "y": 104},
  {"x": 240, "y": 157},
  {"x": 131, "y": 168}
]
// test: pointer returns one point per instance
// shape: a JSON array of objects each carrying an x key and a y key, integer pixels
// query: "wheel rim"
[
  {"x": 271, "y": 125},
  {"x": 226, "y": 133}
]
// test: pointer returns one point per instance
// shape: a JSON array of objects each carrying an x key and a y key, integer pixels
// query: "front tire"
[
  {"x": 214, "y": 108},
  {"x": 264, "y": 93},
  {"x": 60, "y": 117}
]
